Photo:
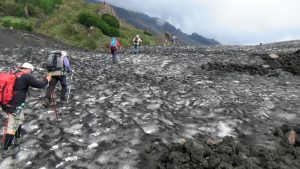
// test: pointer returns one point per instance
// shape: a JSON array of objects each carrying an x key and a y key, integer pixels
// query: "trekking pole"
[
  {"x": 54, "y": 106},
  {"x": 5, "y": 130},
  {"x": 70, "y": 88}
]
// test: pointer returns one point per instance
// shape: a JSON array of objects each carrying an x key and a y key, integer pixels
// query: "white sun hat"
[
  {"x": 27, "y": 66},
  {"x": 63, "y": 53}
]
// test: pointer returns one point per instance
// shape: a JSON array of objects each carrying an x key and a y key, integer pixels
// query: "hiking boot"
[
  {"x": 63, "y": 100},
  {"x": 46, "y": 103},
  {"x": 9, "y": 152}
]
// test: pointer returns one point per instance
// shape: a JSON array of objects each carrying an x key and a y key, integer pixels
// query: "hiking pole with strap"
[
  {"x": 54, "y": 105},
  {"x": 70, "y": 88}
]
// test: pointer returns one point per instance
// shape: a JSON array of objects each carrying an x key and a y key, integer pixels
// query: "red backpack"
[{"x": 7, "y": 82}]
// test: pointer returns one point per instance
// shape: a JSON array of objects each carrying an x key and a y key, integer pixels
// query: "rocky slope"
[{"x": 157, "y": 109}]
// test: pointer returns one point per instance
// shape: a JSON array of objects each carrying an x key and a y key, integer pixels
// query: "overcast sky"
[{"x": 228, "y": 21}]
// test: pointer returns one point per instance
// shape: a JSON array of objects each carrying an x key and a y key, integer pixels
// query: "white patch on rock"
[
  {"x": 153, "y": 106},
  {"x": 274, "y": 56},
  {"x": 224, "y": 130},
  {"x": 34, "y": 127},
  {"x": 59, "y": 165},
  {"x": 55, "y": 147},
  {"x": 150, "y": 129},
  {"x": 74, "y": 158},
  {"x": 94, "y": 145}
]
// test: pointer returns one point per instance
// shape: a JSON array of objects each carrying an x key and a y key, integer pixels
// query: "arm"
[
  {"x": 31, "y": 81},
  {"x": 67, "y": 65}
]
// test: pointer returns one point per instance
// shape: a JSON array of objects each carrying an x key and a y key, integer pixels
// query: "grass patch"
[{"x": 18, "y": 23}]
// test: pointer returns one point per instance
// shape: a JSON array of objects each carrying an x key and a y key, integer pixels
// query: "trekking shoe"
[
  {"x": 63, "y": 100},
  {"x": 46, "y": 103},
  {"x": 9, "y": 152}
]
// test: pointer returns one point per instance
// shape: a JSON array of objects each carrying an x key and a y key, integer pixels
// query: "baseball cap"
[{"x": 27, "y": 66}]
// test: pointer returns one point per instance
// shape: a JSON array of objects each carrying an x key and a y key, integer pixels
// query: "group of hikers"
[
  {"x": 14, "y": 88},
  {"x": 115, "y": 45}
]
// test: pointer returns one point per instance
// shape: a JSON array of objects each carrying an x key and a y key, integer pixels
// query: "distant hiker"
[
  {"x": 164, "y": 42},
  {"x": 57, "y": 65},
  {"x": 114, "y": 46},
  {"x": 173, "y": 40},
  {"x": 260, "y": 46},
  {"x": 14, "y": 108},
  {"x": 136, "y": 41}
]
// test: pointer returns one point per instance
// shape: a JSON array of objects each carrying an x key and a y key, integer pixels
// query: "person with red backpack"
[
  {"x": 14, "y": 89},
  {"x": 114, "y": 46}
]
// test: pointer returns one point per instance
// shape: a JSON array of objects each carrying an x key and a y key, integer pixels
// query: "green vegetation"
[
  {"x": 147, "y": 33},
  {"x": 26, "y": 8},
  {"x": 12, "y": 9},
  {"x": 75, "y": 22},
  {"x": 111, "y": 21},
  {"x": 46, "y": 5},
  {"x": 89, "y": 19},
  {"x": 22, "y": 25},
  {"x": 17, "y": 23}
]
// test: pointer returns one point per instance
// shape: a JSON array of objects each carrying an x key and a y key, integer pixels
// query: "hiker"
[
  {"x": 260, "y": 46},
  {"x": 57, "y": 65},
  {"x": 136, "y": 41},
  {"x": 173, "y": 40},
  {"x": 114, "y": 46},
  {"x": 14, "y": 108}
]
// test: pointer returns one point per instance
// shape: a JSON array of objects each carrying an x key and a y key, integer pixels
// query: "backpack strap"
[{"x": 19, "y": 74}]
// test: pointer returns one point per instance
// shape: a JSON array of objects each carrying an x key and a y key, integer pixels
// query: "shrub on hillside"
[
  {"x": 147, "y": 33},
  {"x": 114, "y": 32},
  {"x": 11, "y": 9},
  {"x": 111, "y": 20},
  {"x": 88, "y": 19},
  {"x": 33, "y": 10}
]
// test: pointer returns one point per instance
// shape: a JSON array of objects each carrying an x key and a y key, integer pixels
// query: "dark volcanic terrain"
[{"x": 157, "y": 109}]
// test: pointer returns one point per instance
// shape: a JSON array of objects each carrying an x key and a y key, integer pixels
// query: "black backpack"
[
  {"x": 136, "y": 40},
  {"x": 55, "y": 61}
]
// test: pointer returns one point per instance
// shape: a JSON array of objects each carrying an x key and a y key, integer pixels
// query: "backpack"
[
  {"x": 136, "y": 40},
  {"x": 7, "y": 82},
  {"x": 113, "y": 43},
  {"x": 55, "y": 61}
]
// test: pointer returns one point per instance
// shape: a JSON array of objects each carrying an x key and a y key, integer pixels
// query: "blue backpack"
[{"x": 113, "y": 42}]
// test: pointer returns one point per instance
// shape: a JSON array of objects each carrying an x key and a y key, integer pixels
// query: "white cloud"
[{"x": 229, "y": 21}]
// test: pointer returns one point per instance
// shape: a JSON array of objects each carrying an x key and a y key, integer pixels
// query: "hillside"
[
  {"x": 157, "y": 109},
  {"x": 61, "y": 22}
]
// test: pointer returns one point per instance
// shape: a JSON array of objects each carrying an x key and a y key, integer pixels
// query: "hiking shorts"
[{"x": 15, "y": 121}]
